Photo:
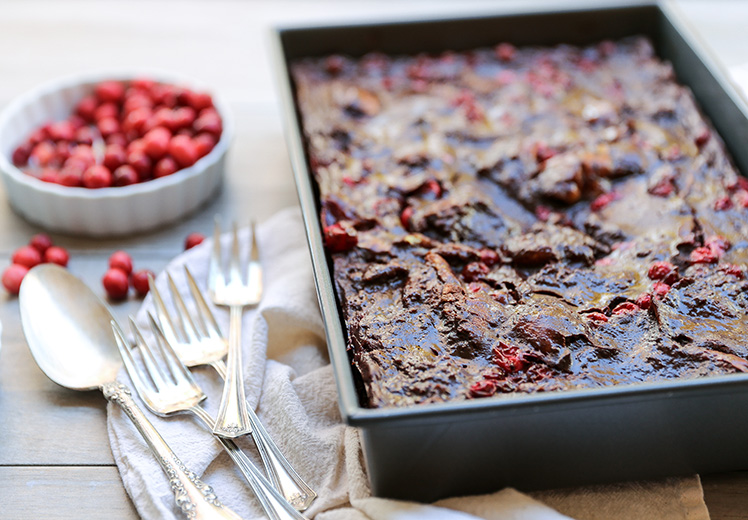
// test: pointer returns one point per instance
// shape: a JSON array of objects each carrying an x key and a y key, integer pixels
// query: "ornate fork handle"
[
  {"x": 281, "y": 473},
  {"x": 195, "y": 498},
  {"x": 274, "y": 505}
]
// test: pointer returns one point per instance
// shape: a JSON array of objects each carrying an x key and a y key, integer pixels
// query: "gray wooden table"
[{"x": 55, "y": 460}]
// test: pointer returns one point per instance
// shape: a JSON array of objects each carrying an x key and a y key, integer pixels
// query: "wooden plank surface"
[{"x": 55, "y": 460}]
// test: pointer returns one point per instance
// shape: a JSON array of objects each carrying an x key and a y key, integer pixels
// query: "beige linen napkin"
[{"x": 289, "y": 380}]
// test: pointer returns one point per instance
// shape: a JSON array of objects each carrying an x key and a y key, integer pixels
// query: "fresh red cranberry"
[
  {"x": 116, "y": 284},
  {"x": 86, "y": 108},
  {"x": 166, "y": 95},
  {"x": 108, "y": 126},
  {"x": 43, "y": 154},
  {"x": 118, "y": 138},
  {"x": 660, "y": 290},
  {"x": 141, "y": 163},
  {"x": 27, "y": 256},
  {"x": 21, "y": 154},
  {"x": 184, "y": 117},
  {"x": 63, "y": 149},
  {"x": 61, "y": 131},
  {"x": 204, "y": 143},
  {"x": 50, "y": 175},
  {"x": 664, "y": 271},
  {"x": 41, "y": 242},
  {"x": 121, "y": 260},
  {"x": 57, "y": 255},
  {"x": 209, "y": 122},
  {"x": 509, "y": 358},
  {"x": 156, "y": 142},
  {"x": 483, "y": 388},
  {"x": 106, "y": 111},
  {"x": 125, "y": 175},
  {"x": 474, "y": 270},
  {"x": 625, "y": 308},
  {"x": 97, "y": 176},
  {"x": 164, "y": 167},
  {"x": 12, "y": 278},
  {"x": 84, "y": 135},
  {"x": 183, "y": 150},
  {"x": 644, "y": 301},
  {"x": 136, "y": 145},
  {"x": 135, "y": 101},
  {"x": 76, "y": 121},
  {"x": 83, "y": 154},
  {"x": 723, "y": 203},
  {"x": 71, "y": 176},
  {"x": 193, "y": 239},
  {"x": 110, "y": 91},
  {"x": 505, "y": 51},
  {"x": 405, "y": 217},
  {"x": 197, "y": 100},
  {"x": 114, "y": 156},
  {"x": 603, "y": 200},
  {"x": 139, "y": 280},
  {"x": 339, "y": 238},
  {"x": 136, "y": 120},
  {"x": 597, "y": 317},
  {"x": 733, "y": 270},
  {"x": 143, "y": 83}
]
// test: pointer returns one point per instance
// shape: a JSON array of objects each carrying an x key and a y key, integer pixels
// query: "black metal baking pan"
[{"x": 542, "y": 440}]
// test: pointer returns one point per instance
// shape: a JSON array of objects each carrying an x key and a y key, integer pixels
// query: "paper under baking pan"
[{"x": 543, "y": 440}]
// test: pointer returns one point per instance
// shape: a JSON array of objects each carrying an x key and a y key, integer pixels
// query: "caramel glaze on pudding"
[{"x": 525, "y": 219}]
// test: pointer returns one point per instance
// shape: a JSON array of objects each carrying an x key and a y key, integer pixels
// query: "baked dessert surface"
[{"x": 525, "y": 219}]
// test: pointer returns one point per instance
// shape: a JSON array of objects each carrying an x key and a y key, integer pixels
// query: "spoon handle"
[{"x": 196, "y": 499}]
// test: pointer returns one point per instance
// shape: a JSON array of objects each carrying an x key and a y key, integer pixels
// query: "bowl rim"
[{"x": 11, "y": 172}]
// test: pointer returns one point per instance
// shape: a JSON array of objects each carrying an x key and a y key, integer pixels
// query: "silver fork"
[
  {"x": 236, "y": 292},
  {"x": 197, "y": 340},
  {"x": 167, "y": 387}
]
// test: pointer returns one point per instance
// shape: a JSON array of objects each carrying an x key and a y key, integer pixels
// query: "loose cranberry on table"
[
  {"x": 154, "y": 128},
  {"x": 12, "y": 278},
  {"x": 41, "y": 242},
  {"x": 121, "y": 260},
  {"x": 116, "y": 284},
  {"x": 192, "y": 240},
  {"x": 56, "y": 255},
  {"x": 139, "y": 281},
  {"x": 27, "y": 256}
]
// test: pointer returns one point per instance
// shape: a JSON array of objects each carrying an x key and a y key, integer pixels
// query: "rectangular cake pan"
[{"x": 543, "y": 440}]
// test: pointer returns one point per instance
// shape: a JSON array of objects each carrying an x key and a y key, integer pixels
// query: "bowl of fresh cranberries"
[{"x": 112, "y": 154}]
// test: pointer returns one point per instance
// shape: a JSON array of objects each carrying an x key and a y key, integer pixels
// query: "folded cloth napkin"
[{"x": 289, "y": 381}]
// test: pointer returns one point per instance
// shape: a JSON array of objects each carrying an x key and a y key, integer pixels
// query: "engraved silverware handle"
[
  {"x": 274, "y": 505},
  {"x": 279, "y": 470},
  {"x": 233, "y": 420},
  {"x": 195, "y": 498}
]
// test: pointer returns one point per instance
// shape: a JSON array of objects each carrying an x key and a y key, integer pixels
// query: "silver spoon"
[{"x": 68, "y": 331}]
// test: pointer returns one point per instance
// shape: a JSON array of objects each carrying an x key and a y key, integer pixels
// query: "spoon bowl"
[
  {"x": 69, "y": 332},
  {"x": 68, "y": 329}
]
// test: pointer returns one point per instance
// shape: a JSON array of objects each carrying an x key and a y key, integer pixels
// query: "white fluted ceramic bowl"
[{"x": 102, "y": 212}]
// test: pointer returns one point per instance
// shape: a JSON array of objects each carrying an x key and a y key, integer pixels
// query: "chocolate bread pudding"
[{"x": 525, "y": 219}]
